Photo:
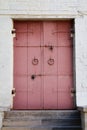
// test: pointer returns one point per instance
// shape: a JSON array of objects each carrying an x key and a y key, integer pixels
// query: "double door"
[{"x": 43, "y": 76}]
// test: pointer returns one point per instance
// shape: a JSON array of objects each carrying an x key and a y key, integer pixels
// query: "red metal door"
[{"x": 43, "y": 65}]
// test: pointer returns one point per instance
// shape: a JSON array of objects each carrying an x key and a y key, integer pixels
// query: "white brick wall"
[
  {"x": 1, "y": 118},
  {"x": 6, "y": 63},
  {"x": 43, "y": 7},
  {"x": 81, "y": 60}
]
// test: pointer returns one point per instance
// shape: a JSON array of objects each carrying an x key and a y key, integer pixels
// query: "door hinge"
[
  {"x": 13, "y": 32},
  {"x": 73, "y": 92},
  {"x": 72, "y": 32},
  {"x": 13, "y": 91}
]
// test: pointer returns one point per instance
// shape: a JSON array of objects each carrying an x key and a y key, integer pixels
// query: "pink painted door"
[
  {"x": 43, "y": 76},
  {"x": 27, "y": 66}
]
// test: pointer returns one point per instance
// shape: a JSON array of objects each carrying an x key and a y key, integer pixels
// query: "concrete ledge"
[
  {"x": 1, "y": 119},
  {"x": 83, "y": 111},
  {"x": 2, "y": 109}
]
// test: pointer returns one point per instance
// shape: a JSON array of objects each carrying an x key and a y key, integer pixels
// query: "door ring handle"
[
  {"x": 50, "y": 61},
  {"x": 35, "y": 61}
]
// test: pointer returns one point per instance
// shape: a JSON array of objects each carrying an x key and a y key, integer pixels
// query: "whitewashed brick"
[
  {"x": 6, "y": 61},
  {"x": 81, "y": 60},
  {"x": 40, "y": 6},
  {"x": 1, "y": 118}
]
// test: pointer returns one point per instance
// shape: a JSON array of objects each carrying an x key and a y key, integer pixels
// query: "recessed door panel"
[
  {"x": 65, "y": 99},
  {"x": 50, "y": 92},
  {"x": 64, "y": 39},
  {"x": 50, "y": 35},
  {"x": 34, "y": 34},
  {"x": 21, "y": 39},
  {"x": 20, "y": 100},
  {"x": 65, "y": 61},
  {"x": 20, "y": 34},
  {"x": 20, "y": 26},
  {"x": 20, "y": 60},
  {"x": 64, "y": 26},
  {"x": 65, "y": 83},
  {"x": 20, "y": 81},
  {"x": 34, "y": 92}
]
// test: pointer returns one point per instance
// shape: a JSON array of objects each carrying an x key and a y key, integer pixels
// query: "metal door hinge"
[
  {"x": 13, "y": 92},
  {"x": 72, "y": 32},
  {"x": 73, "y": 92},
  {"x": 13, "y": 32}
]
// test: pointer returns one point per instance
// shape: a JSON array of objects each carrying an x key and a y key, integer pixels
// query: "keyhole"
[{"x": 33, "y": 77}]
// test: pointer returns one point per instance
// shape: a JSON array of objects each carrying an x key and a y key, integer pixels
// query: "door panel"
[
  {"x": 65, "y": 83},
  {"x": 34, "y": 60},
  {"x": 65, "y": 61},
  {"x": 21, "y": 34},
  {"x": 64, "y": 39},
  {"x": 20, "y": 100},
  {"x": 21, "y": 39},
  {"x": 50, "y": 35},
  {"x": 64, "y": 26},
  {"x": 20, "y": 81},
  {"x": 20, "y": 60},
  {"x": 65, "y": 99},
  {"x": 50, "y": 92},
  {"x": 34, "y": 33},
  {"x": 35, "y": 92}
]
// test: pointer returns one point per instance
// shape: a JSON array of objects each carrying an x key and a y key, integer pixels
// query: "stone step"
[
  {"x": 44, "y": 128},
  {"x": 42, "y": 120},
  {"x": 48, "y": 114},
  {"x": 21, "y": 123},
  {"x": 63, "y": 122}
]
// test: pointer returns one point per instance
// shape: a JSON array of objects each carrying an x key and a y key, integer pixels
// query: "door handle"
[
  {"x": 35, "y": 61},
  {"x": 50, "y": 61}
]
